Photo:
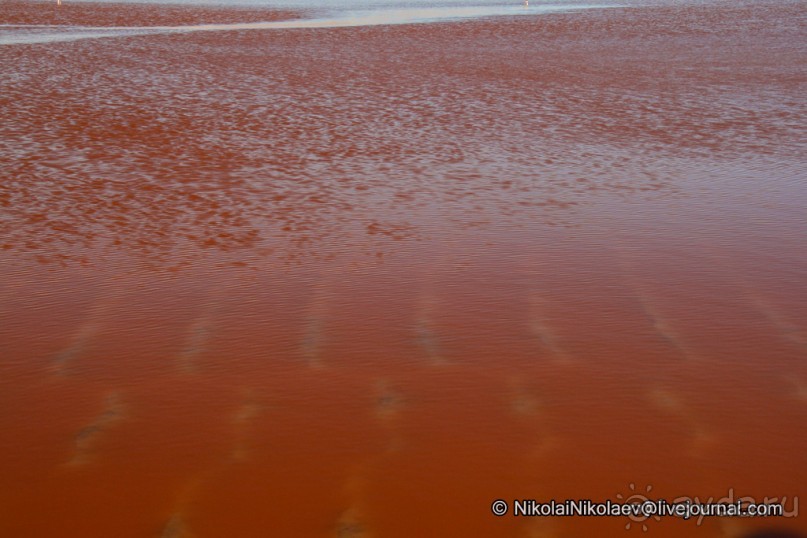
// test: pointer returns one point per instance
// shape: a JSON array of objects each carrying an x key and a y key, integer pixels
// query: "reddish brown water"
[{"x": 363, "y": 281}]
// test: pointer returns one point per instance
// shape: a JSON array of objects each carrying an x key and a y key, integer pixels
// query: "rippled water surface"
[{"x": 359, "y": 270}]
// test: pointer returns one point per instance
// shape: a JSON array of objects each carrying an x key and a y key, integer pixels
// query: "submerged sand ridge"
[{"x": 363, "y": 281}]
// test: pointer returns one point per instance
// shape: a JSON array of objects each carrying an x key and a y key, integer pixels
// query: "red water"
[{"x": 364, "y": 281}]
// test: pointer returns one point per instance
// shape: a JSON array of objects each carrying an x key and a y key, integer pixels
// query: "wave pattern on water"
[{"x": 255, "y": 142}]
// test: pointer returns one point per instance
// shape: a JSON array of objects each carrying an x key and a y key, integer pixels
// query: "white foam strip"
[{"x": 27, "y": 34}]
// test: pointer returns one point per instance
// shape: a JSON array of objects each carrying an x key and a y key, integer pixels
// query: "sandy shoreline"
[
  {"x": 363, "y": 281},
  {"x": 131, "y": 14}
]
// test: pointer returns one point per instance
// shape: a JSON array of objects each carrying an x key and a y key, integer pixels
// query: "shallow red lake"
[{"x": 365, "y": 281}]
